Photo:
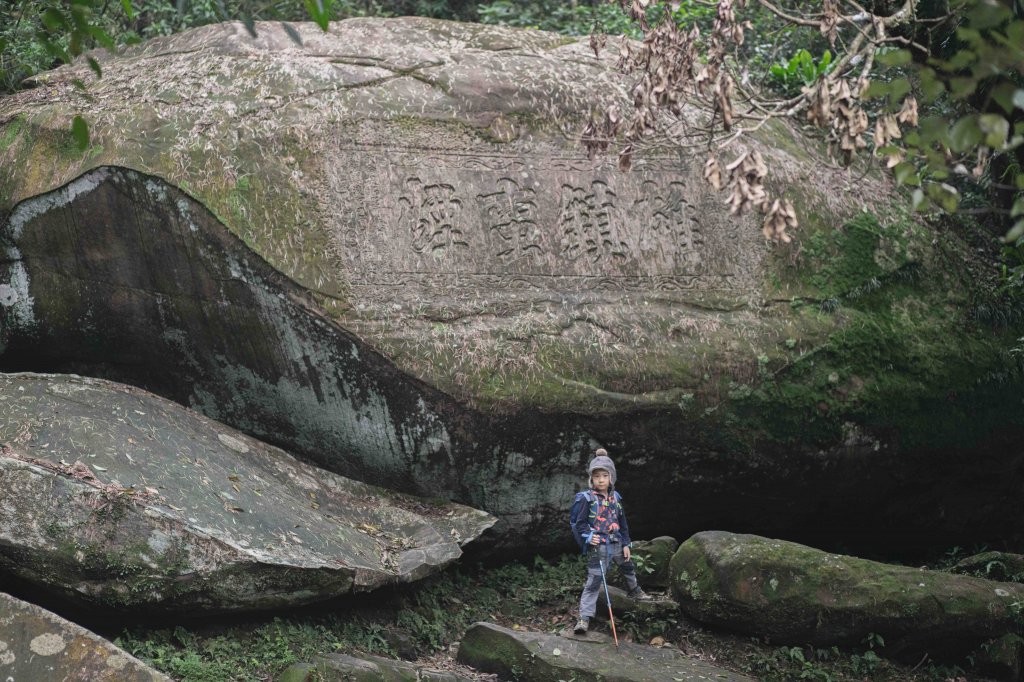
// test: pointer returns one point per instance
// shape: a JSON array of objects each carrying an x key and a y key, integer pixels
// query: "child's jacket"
[{"x": 593, "y": 513}]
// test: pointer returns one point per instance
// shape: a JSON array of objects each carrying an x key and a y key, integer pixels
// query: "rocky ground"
[{"x": 425, "y": 622}]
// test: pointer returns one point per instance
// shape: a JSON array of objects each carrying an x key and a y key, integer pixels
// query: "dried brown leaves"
[
  {"x": 835, "y": 105},
  {"x": 676, "y": 66},
  {"x": 829, "y": 21}
]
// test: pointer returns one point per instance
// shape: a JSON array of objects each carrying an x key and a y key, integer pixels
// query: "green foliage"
[
  {"x": 560, "y": 17},
  {"x": 786, "y": 663},
  {"x": 39, "y": 35},
  {"x": 976, "y": 89},
  {"x": 434, "y": 613},
  {"x": 791, "y": 75},
  {"x": 582, "y": 19}
]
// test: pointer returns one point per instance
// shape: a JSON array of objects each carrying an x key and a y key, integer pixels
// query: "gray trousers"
[{"x": 609, "y": 553}]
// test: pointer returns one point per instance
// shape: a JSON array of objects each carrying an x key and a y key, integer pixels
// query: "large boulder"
[
  {"x": 116, "y": 497},
  {"x": 38, "y": 645},
  {"x": 796, "y": 594},
  {"x": 384, "y": 250},
  {"x": 542, "y": 657}
]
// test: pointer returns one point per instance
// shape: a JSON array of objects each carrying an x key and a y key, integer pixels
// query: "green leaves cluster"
[
  {"x": 799, "y": 71},
  {"x": 976, "y": 98},
  {"x": 579, "y": 19}
]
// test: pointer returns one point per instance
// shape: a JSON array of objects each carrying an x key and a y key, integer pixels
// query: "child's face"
[{"x": 600, "y": 480}]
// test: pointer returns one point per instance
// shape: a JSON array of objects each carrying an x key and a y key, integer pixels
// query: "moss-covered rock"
[
  {"x": 1002, "y": 658},
  {"x": 791, "y": 593},
  {"x": 345, "y": 668},
  {"x": 652, "y": 559},
  {"x": 549, "y": 658},
  {"x": 992, "y": 565}
]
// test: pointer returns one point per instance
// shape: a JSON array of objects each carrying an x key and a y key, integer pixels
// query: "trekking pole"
[{"x": 607, "y": 597}]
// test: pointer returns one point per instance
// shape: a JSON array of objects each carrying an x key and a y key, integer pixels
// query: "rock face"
[
  {"x": 796, "y": 594},
  {"x": 38, "y": 645},
  {"x": 115, "y": 497},
  {"x": 542, "y": 657},
  {"x": 383, "y": 250}
]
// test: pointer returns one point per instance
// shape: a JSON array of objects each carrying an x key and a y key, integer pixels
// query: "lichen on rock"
[{"x": 161, "y": 508}]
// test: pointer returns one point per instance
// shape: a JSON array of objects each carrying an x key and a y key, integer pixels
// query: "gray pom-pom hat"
[{"x": 601, "y": 461}]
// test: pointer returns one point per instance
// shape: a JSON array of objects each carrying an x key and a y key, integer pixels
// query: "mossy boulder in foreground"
[
  {"x": 37, "y": 645},
  {"x": 795, "y": 594},
  {"x": 114, "y": 497},
  {"x": 542, "y": 657}
]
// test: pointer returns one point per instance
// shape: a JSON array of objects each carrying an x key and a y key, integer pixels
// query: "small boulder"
[
  {"x": 991, "y": 565},
  {"x": 366, "y": 668},
  {"x": 38, "y": 645},
  {"x": 1002, "y": 658},
  {"x": 625, "y": 607},
  {"x": 793, "y": 593},
  {"x": 402, "y": 643},
  {"x": 118, "y": 498},
  {"x": 542, "y": 657},
  {"x": 652, "y": 558}
]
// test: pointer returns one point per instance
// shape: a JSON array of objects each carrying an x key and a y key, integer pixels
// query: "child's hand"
[
  {"x": 595, "y": 539},
  {"x": 626, "y": 553}
]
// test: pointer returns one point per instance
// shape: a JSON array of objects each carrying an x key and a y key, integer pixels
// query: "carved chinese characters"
[
  {"x": 542, "y": 222},
  {"x": 510, "y": 213},
  {"x": 433, "y": 214},
  {"x": 587, "y": 224}
]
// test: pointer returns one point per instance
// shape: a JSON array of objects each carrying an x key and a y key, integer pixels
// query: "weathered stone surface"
[
  {"x": 37, "y": 645},
  {"x": 345, "y": 668},
  {"x": 796, "y": 594},
  {"x": 116, "y": 497},
  {"x": 541, "y": 657},
  {"x": 410, "y": 273}
]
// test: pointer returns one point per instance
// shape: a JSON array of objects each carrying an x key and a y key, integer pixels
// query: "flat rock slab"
[
  {"x": 117, "y": 497},
  {"x": 36, "y": 645},
  {"x": 345, "y": 668},
  {"x": 542, "y": 657}
]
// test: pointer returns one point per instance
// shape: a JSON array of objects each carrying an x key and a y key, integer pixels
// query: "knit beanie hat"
[{"x": 601, "y": 461}]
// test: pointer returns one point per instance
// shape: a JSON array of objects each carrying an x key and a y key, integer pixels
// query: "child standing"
[{"x": 600, "y": 528}]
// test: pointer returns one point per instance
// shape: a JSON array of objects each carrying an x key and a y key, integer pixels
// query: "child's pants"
[{"x": 610, "y": 553}]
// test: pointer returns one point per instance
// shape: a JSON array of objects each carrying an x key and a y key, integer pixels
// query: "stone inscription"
[
  {"x": 510, "y": 213},
  {"x": 433, "y": 214},
  {"x": 530, "y": 222},
  {"x": 588, "y": 226}
]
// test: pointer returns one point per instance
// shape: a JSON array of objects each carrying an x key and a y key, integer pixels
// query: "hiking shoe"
[
  {"x": 581, "y": 626},
  {"x": 638, "y": 594}
]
